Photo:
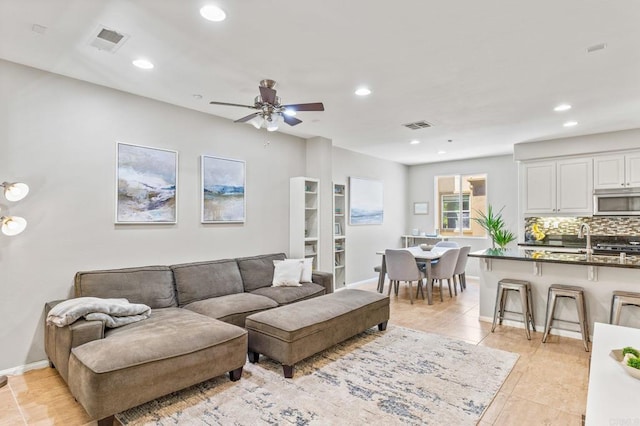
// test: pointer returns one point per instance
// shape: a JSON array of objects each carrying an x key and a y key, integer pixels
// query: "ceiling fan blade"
[
  {"x": 317, "y": 106},
  {"x": 291, "y": 121},
  {"x": 247, "y": 118},
  {"x": 268, "y": 94},
  {"x": 228, "y": 104}
]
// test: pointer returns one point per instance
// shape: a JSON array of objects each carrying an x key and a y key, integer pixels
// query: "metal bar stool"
[
  {"x": 577, "y": 294},
  {"x": 619, "y": 300},
  {"x": 524, "y": 290}
]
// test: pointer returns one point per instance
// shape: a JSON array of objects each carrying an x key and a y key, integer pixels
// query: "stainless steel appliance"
[
  {"x": 616, "y": 202},
  {"x": 632, "y": 248}
]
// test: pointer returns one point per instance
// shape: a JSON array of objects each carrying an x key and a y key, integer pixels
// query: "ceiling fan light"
[
  {"x": 12, "y": 225},
  {"x": 273, "y": 122},
  {"x": 15, "y": 191},
  {"x": 290, "y": 112}
]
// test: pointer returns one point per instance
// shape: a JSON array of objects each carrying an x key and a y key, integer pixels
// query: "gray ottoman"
[{"x": 291, "y": 333}]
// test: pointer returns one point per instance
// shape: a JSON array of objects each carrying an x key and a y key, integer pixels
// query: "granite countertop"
[{"x": 551, "y": 257}]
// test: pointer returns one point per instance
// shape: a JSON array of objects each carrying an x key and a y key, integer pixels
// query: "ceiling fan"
[{"x": 270, "y": 112}]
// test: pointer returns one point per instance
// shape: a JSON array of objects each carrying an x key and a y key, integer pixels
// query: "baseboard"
[
  {"x": 21, "y": 369},
  {"x": 517, "y": 324},
  {"x": 367, "y": 281}
]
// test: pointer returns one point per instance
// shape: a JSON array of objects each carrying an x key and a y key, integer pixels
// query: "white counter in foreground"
[{"x": 614, "y": 396}]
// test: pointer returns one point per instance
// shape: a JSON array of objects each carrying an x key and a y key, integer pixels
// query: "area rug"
[{"x": 399, "y": 376}]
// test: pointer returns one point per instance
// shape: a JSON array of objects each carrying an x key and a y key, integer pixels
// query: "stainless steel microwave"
[{"x": 612, "y": 202}]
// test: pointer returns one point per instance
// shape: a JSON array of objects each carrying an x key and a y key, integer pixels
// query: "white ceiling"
[{"x": 486, "y": 74}]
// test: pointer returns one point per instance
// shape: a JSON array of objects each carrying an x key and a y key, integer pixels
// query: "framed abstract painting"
[
  {"x": 365, "y": 201},
  {"x": 146, "y": 185},
  {"x": 223, "y": 190}
]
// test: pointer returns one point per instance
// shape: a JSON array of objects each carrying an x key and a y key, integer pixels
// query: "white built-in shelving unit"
[
  {"x": 340, "y": 241},
  {"x": 304, "y": 219}
]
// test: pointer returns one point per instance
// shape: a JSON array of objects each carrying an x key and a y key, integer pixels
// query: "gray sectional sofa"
[{"x": 195, "y": 332}]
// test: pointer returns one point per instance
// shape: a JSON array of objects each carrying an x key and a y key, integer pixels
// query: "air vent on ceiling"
[
  {"x": 107, "y": 39},
  {"x": 417, "y": 125}
]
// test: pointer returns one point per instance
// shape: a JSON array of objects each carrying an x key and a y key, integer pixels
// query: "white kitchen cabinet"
[
  {"x": 558, "y": 187},
  {"x": 617, "y": 171}
]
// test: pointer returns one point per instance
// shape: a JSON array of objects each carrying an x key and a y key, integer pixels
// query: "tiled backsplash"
[{"x": 600, "y": 225}]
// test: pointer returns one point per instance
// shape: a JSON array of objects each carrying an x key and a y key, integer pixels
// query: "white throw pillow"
[
  {"x": 287, "y": 273},
  {"x": 307, "y": 269}
]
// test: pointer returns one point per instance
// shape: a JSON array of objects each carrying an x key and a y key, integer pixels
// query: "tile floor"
[{"x": 548, "y": 385}]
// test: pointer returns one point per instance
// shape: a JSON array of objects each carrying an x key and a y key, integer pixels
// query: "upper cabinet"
[
  {"x": 558, "y": 187},
  {"x": 617, "y": 171}
]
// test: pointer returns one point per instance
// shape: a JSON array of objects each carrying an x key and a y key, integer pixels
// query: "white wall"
[
  {"x": 58, "y": 135},
  {"x": 364, "y": 240},
  {"x": 502, "y": 190},
  {"x": 578, "y": 145}
]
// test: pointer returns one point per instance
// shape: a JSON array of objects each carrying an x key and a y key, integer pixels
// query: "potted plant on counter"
[{"x": 495, "y": 226}]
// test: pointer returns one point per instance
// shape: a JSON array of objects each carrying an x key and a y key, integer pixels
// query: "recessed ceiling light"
[
  {"x": 290, "y": 112},
  {"x": 414, "y": 142},
  {"x": 596, "y": 47},
  {"x": 570, "y": 124},
  {"x": 442, "y": 152},
  {"x": 213, "y": 13},
  {"x": 562, "y": 107},
  {"x": 363, "y": 91},
  {"x": 143, "y": 63}
]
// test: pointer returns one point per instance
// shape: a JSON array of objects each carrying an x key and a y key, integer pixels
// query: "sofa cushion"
[
  {"x": 257, "y": 271},
  {"x": 203, "y": 280},
  {"x": 233, "y": 308},
  {"x": 149, "y": 285},
  {"x": 167, "y": 333},
  {"x": 286, "y": 295}
]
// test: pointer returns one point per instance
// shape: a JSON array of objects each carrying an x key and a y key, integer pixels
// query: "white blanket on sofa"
[{"x": 112, "y": 312}]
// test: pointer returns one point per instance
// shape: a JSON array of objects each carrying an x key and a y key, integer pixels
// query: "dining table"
[{"x": 426, "y": 256}]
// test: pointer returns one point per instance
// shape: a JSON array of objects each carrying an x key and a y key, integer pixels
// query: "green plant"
[
  {"x": 630, "y": 350},
  {"x": 495, "y": 226},
  {"x": 634, "y": 362}
]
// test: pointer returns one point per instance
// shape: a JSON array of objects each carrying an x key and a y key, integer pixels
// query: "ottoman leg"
[
  {"x": 288, "y": 371},
  {"x": 235, "y": 375},
  {"x": 107, "y": 421},
  {"x": 382, "y": 326},
  {"x": 253, "y": 357}
]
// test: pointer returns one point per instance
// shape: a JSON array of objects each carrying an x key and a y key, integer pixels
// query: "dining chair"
[
  {"x": 447, "y": 244},
  {"x": 443, "y": 270},
  {"x": 459, "y": 271},
  {"x": 402, "y": 266}
]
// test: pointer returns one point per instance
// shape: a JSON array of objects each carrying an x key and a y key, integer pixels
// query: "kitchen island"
[{"x": 600, "y": 275}]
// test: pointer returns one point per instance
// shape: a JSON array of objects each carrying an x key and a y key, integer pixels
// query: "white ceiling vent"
[
  {"x": 417, "y": 125},
  {"x": 107, "y": 39}
]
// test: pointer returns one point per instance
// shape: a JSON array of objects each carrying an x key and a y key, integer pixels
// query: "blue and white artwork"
[
  {"x": 223, "y": 188},
  {"x": 146, "y": 184},
  {"x": 365, "y": 202}
]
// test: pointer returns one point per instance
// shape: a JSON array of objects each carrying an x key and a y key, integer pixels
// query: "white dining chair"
[
  {"x": 458, "y": 272},
  {"x": 447, "y": 244},
  {"x": 402, "y": 266},
  {"x": 443, "y": 270}
]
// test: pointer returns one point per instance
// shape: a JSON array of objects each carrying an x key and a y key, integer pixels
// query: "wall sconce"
[{"x": 13, "y": 225}]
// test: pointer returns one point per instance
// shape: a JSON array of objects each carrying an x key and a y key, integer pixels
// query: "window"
[
  {"x": 459, "y": 199},
  {"x": 451, "y": 212}
]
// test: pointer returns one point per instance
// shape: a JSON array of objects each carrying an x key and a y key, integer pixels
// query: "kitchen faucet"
[{"x": 584, "y": 228}]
